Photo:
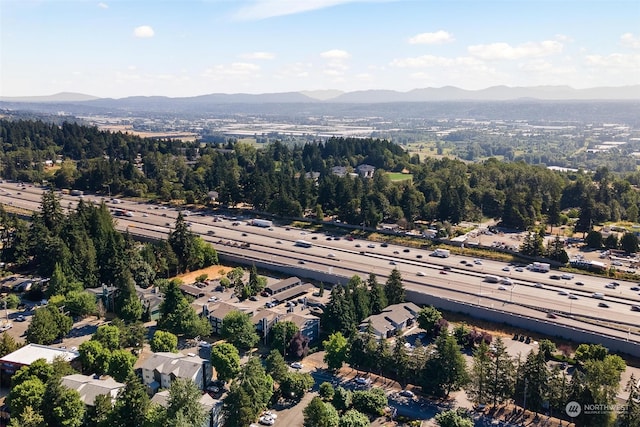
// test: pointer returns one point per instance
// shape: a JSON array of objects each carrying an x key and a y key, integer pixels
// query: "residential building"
[
  {"x": 213, "y": 407},
  {"x": 283, "y": 285},
  {"x": 393, "y": 319},
  {"x": 160, "y": 369},
  {"x": 25, "y": 356},
  {"x": 340, "y": 171},
  {"x": 365, "y": 171},
  {"x": 216, "y": 311},
  {"x": 91, "y": 386}
]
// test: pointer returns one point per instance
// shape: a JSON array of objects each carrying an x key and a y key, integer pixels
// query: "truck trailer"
[
  {"x": 441, "y": 253},
  {"x": 262, "y": 223}
]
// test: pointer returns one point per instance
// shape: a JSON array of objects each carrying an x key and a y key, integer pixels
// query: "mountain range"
[{"x": 446, "y": 93}]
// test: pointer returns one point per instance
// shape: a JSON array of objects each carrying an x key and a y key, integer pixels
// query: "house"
[
  {"x": 28, "y": 354},
  {"x": 392, "y": 320},
  {"x": 217, "y": 311},
  {"x": 151, "y": 300},
  {"x": 340, "y": 171},
  {"x": 213, "y": 407},
  {"x": 365, "y": 171},
  {"x": 106, "y": 294},
  {"x": 283, "y": 285},
  {"x": 91, "y": 386},
  {"x": 160, "y": 369},
  {"x": 192, "y": 291},
  {"x": 309, "y": 325}
]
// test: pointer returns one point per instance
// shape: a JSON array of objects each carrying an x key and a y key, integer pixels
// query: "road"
[{"x": 420, "y": 272}]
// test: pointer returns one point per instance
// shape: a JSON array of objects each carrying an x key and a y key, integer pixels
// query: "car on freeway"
[
  {"x": 567, "y": 276},
  {"x": 301, "y": 262},
  {"x": 563, "y": 293},
  {"x": 405, "y": 250},
  {"x": 418, "y": 256},
  {"x": 314, "y": 238},
  {"x": 610, "y": 286},
  {"x": 296, "y": 365},
  {"x": 554, "y": 277},
  {"x": 603, "y": 305},
  {"x": 502, "y": 288},
  {"x": 572, "y": 296},
  {"x": 635, "y": 308},
  {"x": 420, "y": 273},
  {"x": 371, "y": 245},
  {"x": 519, "y": 269},
  {"x": 635, "y": 288},
  {"x": 358, "y": 245},
  {"x": 407, "y": 393},
  {"x": 580, "y": 283},
  {"x": 550, "y": 315},
  {"x": 396, "y": 252},
  {"x": 393, "y": 263},
  {"x": 278, "y": 242},
  {"x": 331, "y": 255},
  {"x": 384, "y": 245},
  {"x": 477, "y": 262},
  {"x": 538, "y": 285},
  {"x": 443, "y": 272},
  {"x": 506, "y": 268},
  {"x": 244, "y": 234},
  {"x": 464, "y": 261}
]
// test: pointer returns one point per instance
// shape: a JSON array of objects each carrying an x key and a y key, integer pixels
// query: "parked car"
[
  {"x": 407, "y": 393},
  {"x": 362, "y": 381},
  {"x": 296, "y": 365}
]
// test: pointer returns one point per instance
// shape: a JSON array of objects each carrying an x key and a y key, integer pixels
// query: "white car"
[
  {"x": 506, "y": 269},
  {"x": 371, "y": 245},
  {"x": 563, "y": 293},
  {"x": 362, "y": 380},
  {"x": 212, "y": 299},
  {"x": 502, "y": 288},
  {"x": 407, "y": 393},
  {"x": 421, "y": 273},
  {"x": 296, "y": 365},
  {"x": 477, "y": 262},
  {"x": 572, "y": 296},
  {"x": 331, "y": 255},
  {"x": 266, "y": 420},
  {"x": 204, "y": 344}
]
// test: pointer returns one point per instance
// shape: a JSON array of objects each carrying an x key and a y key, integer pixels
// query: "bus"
[{"x": 303, "y": 243}]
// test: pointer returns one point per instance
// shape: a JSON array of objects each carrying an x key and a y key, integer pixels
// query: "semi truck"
[
  {"x": 441, "y": 253},
  {"x": 262, "y": 223},
  {"x": 541, "y": 267}
]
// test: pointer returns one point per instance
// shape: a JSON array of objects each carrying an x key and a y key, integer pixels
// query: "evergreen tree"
[
  {"x": 480, "y": 375},
  {"x": 631, "y": 417},
  {"x": 61, "y": 406},
  {"x": 131, "y": 405},
  {"x": 446, "y": 371},
  {"x": 377, "y": 297},
  {"x": 501, "y": 381},
  {"x": 393, "y": 288}
]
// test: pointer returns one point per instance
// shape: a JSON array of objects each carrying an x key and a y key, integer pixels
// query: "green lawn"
[{"x": 397, "y": 176}]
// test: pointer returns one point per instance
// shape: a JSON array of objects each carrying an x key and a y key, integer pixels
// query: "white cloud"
[
  {"x": 426, "y": 61},
  {"x": 336, "y": 54},
  {"x": 630, "y": 40},
  {"x": 263, "y": 9},
  {"x": 614, "y": 60},
  {"x": 236, "y": 69},
  {"x": 143, "y": 32},
  {"x": 506, "y": 51},
  {"x": 103, "y": 5},
  {"x": 258, "y": 55},
  {"x": 439, "y": 37}
]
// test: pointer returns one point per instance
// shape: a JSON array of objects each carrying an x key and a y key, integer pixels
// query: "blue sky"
[{"x": 118, "y": 48}]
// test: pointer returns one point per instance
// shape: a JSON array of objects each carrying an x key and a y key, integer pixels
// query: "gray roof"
[
  {"x": 276, "y": 287},
  {"x": 396, "y": 313},
  {"x": 90, "y": 387},
  {"x": 178, "y": 364},
  {"x": 162, "y": 398}
]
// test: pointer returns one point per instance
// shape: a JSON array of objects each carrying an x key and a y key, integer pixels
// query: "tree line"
[{"x": 275, "y": 178}]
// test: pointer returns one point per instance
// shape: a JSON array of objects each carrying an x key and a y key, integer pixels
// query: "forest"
[{"x": 278, "y": 179}]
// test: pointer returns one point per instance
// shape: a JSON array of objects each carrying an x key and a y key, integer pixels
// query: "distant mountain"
[
  {"x": 322, "y": 95},
  {"x": 58, "y": 97},
  {"x": 495, "y": 93}
]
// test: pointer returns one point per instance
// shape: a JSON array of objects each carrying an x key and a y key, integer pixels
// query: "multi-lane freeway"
[{"x": 447, "y": 277}]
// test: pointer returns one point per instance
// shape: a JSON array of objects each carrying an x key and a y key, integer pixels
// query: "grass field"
[{"x": 397, "y": 176}]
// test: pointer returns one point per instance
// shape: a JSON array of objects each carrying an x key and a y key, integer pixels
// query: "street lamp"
[{"x": 511, "y": 296}]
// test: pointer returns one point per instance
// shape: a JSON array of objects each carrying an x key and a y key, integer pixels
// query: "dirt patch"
[{"x": 214, "y": 272}]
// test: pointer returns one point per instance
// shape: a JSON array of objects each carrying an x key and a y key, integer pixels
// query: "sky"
[{"x": 120, "y": 48}]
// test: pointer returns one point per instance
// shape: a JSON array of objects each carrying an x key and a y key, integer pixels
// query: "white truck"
[
  {"x": 441, "y": 253},
  {"x": 262, "y": 223},
  {"x": 541, "y": 267}
]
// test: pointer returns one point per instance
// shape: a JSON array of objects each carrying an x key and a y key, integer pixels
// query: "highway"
[{"x": 531, "y": 291}]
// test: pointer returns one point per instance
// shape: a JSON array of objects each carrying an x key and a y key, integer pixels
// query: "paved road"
[{"x": 342, "y": 257}]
